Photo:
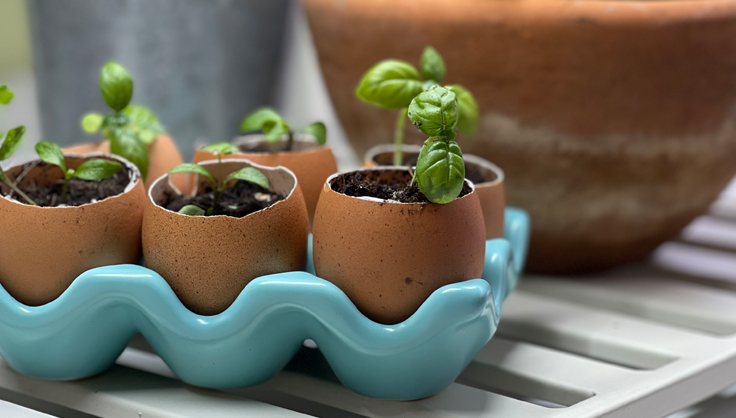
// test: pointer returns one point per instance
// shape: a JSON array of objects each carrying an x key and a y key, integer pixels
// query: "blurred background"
[{"x": 201, "y": 66}]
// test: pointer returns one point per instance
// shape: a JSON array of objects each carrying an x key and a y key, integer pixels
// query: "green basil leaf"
[
  {"x": 12, "y": 142},
  {"x": 97, "y": 169},
  {"x": 251, "y": 175},
  {"x": 275, "y": 133},
  {"x": 5, "y": 95},
  {"x": 318, "y": 130},
  {"x": 92, "y": 122},
  {"x": 440, "y": 171},
  {"x": 263, "y": 119},
  {"x": 123, "y": 142},
  {"x": 391, "y": 84},
  {"x": 221, "y": 148},
  {"x": 432, "y": 65},
  {"x": 116, "y": 86},
  {"x": 192, "y": 168},
  {"x": 469, "y": 114},
  {"x": 144, "y": 123},
  {"x": 51, "y": 153},
  {"x": 435, "y": 112},
  {"x": 192, "y": 210}
]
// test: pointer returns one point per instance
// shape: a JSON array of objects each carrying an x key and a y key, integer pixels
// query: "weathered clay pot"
[
  {"x": 388, "y": 257},
  {"x": 311, "y": 162},
  {"x": 43, "y": 249},
  {"x": 209, "y": 260},
  {"x": 615, "y": 121},
  {"x": 490, "y": 193},
  {"x": 163, "y": 152}
]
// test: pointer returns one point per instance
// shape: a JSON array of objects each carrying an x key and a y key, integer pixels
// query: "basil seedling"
[
  {"x": 130, "y": 128},
  {"x": 248, "y": 174},
  {"x": 269, "y": 122},
  {"x": 10, "y": 145},
  {"x": 96, "y": 169},
  {"x": 440, "y": 171},
  {"x": 393, "y": 84}
]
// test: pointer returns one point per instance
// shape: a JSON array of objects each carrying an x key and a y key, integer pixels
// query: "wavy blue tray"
[{"x": 81, "y": 333}]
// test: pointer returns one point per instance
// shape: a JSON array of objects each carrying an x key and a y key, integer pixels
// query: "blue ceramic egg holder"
[{"x": 82, "y": 333}]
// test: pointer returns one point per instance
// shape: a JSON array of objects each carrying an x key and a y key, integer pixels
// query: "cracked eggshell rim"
[{"x": 208, "y": 260}]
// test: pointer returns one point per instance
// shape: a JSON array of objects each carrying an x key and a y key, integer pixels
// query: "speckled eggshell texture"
[
  {"x": 209, "y": 260},
  {"x": 163, "y": 156},
  {"x": 388, "y": 257},
  {"x": 311, "y": 162},
  {"x": 43, "y": 249},
  {"x": 491, "y": 194}
]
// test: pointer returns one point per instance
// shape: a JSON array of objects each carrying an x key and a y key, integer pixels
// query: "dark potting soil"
[
  {"x": 391, "y": 185},
  {"x": 473, "y": 172},
  {"x": 242, "y": 199},
  {"x": 476, "y": 174},
  {"x": 80, "y": 192}
]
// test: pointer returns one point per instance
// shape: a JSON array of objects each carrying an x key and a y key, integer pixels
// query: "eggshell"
[
  {"x": 311, "y": 162},
  {"x": 163, "y": 156},
  {"x": 208, "y": 260},
  {"x": 388, "y": 257},
  {"x": 491, "y": 193},
  {"x": 43, "y": 249}
]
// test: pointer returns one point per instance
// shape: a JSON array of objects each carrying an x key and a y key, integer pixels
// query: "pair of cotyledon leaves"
[{"x": 249, "y": 174}]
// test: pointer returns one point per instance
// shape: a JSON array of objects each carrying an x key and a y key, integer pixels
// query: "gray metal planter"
[{"x": 200, "y": 65}]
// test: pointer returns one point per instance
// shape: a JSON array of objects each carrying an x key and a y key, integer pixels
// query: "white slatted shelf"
[{"x": 644, "y": 340}]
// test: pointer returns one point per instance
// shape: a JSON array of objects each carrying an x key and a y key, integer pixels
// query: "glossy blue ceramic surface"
[{"x": 83, "y": 331}]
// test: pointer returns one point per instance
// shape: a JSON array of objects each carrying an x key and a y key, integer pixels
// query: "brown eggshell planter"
[
  {"x": 491, "y": 192},
  {"x": 311, "y": 163},
  {"x": 208, "y": 260},
  {"x": 388, "y": 257},
  {"x": 43, "y": 249}
]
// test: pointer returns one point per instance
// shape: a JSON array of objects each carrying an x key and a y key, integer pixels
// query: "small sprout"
[
  {"x": 192, "y": 210},
  {"x": 94, "y": 170},
  {"x": 10, "y": 145},
  {"x": 248, "y": 174},
  {"x": 5, "y": 95},
  {"x": 393, "y": 84},
  {"x": 130, "y": 128},
  {"x": 274, "y": 126},
  {"x": 440, "y": 171}
]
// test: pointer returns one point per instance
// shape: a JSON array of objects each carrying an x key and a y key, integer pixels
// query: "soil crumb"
[{"x": 239, "y": 200}]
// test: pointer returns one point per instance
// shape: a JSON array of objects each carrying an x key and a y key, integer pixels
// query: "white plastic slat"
[
  {"x": 9, "y": 410},
  {"x": 646, "y": 293},
  {"x": 124, "y": 393}
]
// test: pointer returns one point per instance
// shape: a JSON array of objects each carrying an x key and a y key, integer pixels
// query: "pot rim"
[
  {"x": 373, "y": 151},
  {"x": 302, "y": 138},
  {"x": 386, "y": 201},
  {"x": 135, "y": 177},
  {"x": 225, "y": 161},
  {"x": 498, "y": 171}
]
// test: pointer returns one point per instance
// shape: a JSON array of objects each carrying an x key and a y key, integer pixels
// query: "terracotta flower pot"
[
  {"x": 614, "y": 120},
  {"x": 388, "y": 257},
  {"x": 490, "y": 192},
  {"x": 311, "y": 162},
  {"x": 43, "y": 249},
  {"x": 209, "y": 260},
  {"x": 164, "y": 155}
]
